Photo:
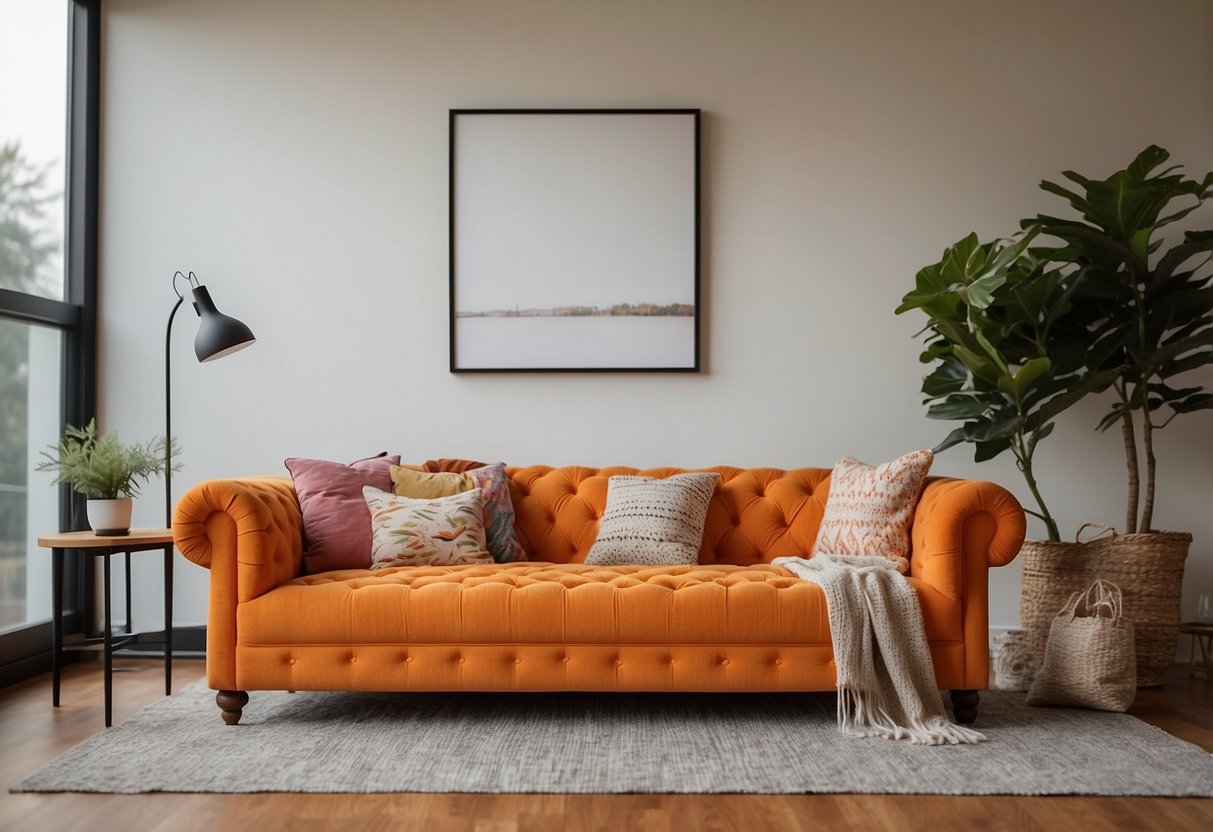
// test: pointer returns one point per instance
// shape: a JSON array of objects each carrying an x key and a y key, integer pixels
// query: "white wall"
[{"x": 293, "y": 153}]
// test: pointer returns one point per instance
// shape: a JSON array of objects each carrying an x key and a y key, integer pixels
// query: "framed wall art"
[{"x": 574, "y": 240}]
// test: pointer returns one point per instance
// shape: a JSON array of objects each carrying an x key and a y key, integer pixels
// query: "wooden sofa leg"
[
  {"x": 964, "y": 706},
  {"x": 232, "y": 703}
]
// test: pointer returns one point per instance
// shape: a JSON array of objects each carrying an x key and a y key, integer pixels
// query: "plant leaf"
[
  {"x": 1027, "y": 375},
  {"x": 1203, "y": 401},
  {"x": 1196, "y": 243},
  {"x": 949, "y": 377},
  {"x": 983, "y": 451},
  {"x": 954, "y": 438},
  {"x": 957, "y": 407},
  {"x": 977, "y": 365},
  {"x": 999, "y": 430}
]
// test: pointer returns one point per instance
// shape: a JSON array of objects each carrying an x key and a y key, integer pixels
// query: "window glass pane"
[
  {"x": 33, "y": 142},
  {"x": 30, "y": 366}
]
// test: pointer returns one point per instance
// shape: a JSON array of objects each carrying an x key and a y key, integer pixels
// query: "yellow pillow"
[{"x": 420, "y": 486}]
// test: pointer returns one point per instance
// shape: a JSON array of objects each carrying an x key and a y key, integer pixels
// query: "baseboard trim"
[
  {"x": 188, "y": 643},
  {"x": 27, "y": 668},
  {"x": 997, "y": 630},
  {"x": 26, "y": 652}
]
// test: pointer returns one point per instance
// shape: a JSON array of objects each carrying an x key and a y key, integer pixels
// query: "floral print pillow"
[
  {"x": 498, "y": 513},
  {"x": 426, "y": 532}
]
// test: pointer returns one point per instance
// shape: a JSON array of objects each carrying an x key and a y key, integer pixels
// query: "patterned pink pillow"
[
  {"x": 336, "y": 521},
  {"x": 869, "y": 510},
  {"x": 498, "y": 513}
]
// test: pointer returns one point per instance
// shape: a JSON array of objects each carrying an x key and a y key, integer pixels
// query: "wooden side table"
[
  {"x": 1202, "y": 637},
  {"x": 106, "y": 546}
]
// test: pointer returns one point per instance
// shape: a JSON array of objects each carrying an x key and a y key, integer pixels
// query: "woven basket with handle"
[
  {"x": 1149, "y": 569},
  {"x": 1090, "y": 658}
]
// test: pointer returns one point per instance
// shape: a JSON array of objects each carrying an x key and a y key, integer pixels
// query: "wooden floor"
[{"x": 31, "y": 733}]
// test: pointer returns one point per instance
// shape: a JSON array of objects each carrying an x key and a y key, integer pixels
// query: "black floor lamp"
[{"x": 218, "y": 335}]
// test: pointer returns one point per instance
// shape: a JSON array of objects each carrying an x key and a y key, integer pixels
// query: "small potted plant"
[{"x": 106, "y": 471}]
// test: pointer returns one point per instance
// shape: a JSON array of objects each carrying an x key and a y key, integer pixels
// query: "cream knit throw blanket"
[{"x": 886, "y": 681}]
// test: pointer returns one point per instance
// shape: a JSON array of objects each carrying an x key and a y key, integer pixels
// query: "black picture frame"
[{"x": 551, "y": 329}]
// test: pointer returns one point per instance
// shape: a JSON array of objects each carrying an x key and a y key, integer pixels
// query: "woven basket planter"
[{"x": 1148, "y": 568}]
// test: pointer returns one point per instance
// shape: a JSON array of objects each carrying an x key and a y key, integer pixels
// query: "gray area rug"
[{"x": 609, "y": 743}]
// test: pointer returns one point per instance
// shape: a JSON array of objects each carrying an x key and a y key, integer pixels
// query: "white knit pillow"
[
  {"x": 869, "y": 510},
  {"x": 653, "y": 522}
]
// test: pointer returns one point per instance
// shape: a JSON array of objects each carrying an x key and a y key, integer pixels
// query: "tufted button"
[
  {"x": 724, "y": 662},
  {"x": 409, "y": 659},
  {"x": 568, "y": 659},
  {"x": 673, "y": 660},
  {"x": 517, "y": 660},
  {"x": 779, "y": 661},
  {"x": 618, "y": 662},
  {"x": 353, "y": 659},
  {"x": 291, "y": 660},
  {"x": 462, "y": 660}
]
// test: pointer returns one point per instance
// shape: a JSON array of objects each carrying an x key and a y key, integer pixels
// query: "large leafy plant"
[
  {"x": 1153, "y": 300},
  {"x": 1008, "y": 357},
  {"x": 1018, "y": 334},
  {"x": 101, "y": 467}
]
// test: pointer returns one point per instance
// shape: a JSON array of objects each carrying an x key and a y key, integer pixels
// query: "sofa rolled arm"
[
  {"x": 963, "y": 524},
  {"x": 962, "y": 528},
  {"x": 248, "y": 532}
]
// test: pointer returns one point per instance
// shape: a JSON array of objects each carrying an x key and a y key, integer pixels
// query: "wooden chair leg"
[
  {"x": 232, "y": 703},
  {"x": 964, "y": 706}
]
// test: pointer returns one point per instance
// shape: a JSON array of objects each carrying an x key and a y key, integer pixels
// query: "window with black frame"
[{"x": 48, "y": 90}]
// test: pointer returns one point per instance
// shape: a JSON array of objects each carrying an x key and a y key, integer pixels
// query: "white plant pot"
[{"x": 110, "y": 517}]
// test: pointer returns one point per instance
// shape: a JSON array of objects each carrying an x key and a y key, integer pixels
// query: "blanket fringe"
[
  {"x": 883, "y": 670},
  {"x": 860, "y": 714}
]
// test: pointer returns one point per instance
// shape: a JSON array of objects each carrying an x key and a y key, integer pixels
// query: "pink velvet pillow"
[{"x": 336, "y": 521}]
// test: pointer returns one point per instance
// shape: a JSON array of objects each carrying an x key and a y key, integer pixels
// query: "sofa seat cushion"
[{"x": 549, "y": 603}]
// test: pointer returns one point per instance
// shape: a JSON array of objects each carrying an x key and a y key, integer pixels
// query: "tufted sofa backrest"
[{"x": 756, "y": 514}]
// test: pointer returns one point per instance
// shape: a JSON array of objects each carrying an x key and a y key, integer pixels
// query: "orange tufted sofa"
[{"x": 731, "y": 623}]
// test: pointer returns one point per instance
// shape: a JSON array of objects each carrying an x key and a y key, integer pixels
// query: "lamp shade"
[{"x": 218, "y": 334}]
